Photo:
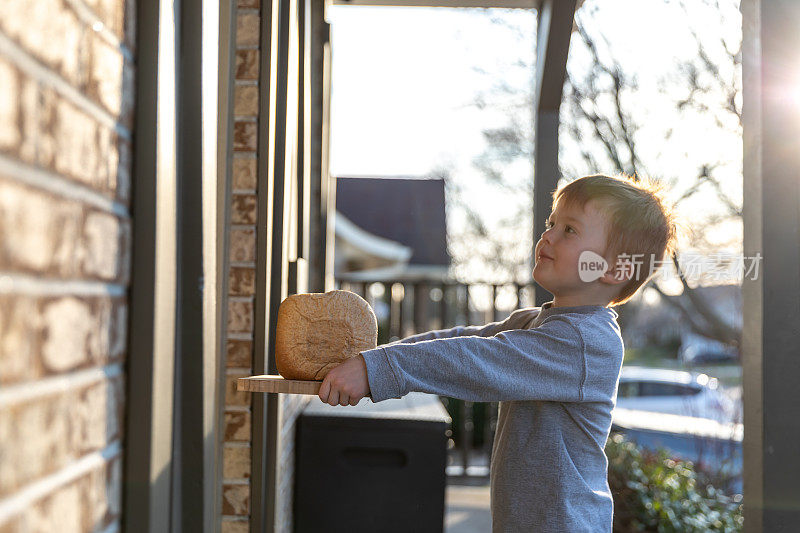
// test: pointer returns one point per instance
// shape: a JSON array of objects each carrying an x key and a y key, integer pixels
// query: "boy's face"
[{"x": 571, "y": 231}]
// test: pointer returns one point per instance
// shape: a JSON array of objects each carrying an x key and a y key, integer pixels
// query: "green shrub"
[{"x": 653, "y": 492}]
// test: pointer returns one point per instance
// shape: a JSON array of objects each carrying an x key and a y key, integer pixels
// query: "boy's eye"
[{"x": 548, "y": 224}]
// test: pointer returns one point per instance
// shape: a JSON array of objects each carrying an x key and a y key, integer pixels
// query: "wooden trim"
[
  {"x": 150, "y": 363},
  {"x": 216, "y": 360},
  {"x": 771, "y": 307}
]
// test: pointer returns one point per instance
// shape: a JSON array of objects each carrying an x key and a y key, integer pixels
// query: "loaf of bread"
[{"x": 316, "y": 332}]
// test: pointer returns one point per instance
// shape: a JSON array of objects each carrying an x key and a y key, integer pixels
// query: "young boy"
[{"x": 554, "y": 369}]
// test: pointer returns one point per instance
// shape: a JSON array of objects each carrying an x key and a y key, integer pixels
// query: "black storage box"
[{"x": 373, "y": 467}]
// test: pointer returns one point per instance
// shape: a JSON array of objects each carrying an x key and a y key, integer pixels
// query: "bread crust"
[{"x": 318, "y": 331}]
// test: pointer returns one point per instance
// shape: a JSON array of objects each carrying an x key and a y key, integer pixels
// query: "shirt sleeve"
[
  {"x": 516, "y": 320},
  {"x": 544, "y": 363}
]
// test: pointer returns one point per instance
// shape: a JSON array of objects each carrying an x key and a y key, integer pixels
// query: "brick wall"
[
  {"x": 239, "y": 353},
  {"x": 66, "y": 113},
  {"x": 239, "y": 347}
]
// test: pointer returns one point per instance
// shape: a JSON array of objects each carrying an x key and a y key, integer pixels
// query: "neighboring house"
[
  {"x": 360, "y": 251},
  {"x": 391, "y": 228}
]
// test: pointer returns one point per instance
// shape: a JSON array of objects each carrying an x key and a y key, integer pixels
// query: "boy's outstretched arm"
[
  {"x": 518, "y": 319},
  {"x": 349, "y": 382},
  {"x": 544, "y": 363}
]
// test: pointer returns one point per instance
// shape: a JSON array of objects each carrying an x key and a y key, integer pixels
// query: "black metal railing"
[{"x": 407, "y": 307}]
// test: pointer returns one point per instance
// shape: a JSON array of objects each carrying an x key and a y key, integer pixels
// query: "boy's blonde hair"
[{"x": 639, "y": 221}]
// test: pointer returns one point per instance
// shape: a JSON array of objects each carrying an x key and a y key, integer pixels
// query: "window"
[{"x": 654, "y": 388}]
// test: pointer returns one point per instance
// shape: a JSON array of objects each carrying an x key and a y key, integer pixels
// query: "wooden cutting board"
[{"x": 277, "y": 384}]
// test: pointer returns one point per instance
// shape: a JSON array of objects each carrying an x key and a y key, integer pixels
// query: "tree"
[{"x": 601, "y": 132}]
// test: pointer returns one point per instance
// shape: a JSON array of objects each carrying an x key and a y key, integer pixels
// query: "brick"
[
  {"x": 10, "y": 89},
  {"x": 99, "y": 340},
  {"x": 97, "y": 490},
  {"x": 106, "y": 65},
  {"x": 111, "y": 13},
  {"x": 44, "y": 435},
  {"x": 236, "y": 462},
  {"x": 242, "y": 281},
  {"x": 67, "y": 323},
  {"x": 118, "y": 330},
  {"x": 245, "y": 100},
  {"x": 239, "y": 353},
  {"x": 240, "y": 317},
  {"x": 237, "y": 426},
  {"x": 46, "y": 335},
  {"x": 51, "y": 235},
  {"x": 81, "y": 145},
  {"x": 95, "y": 417},
  {"x": 51, "y": 33},
  {"x": 235, "y": 526},
  {"x": 247, "y": 29},
  {"x": 8, "y": 478},
  {"x": 244, "y": 173},
  {"x": 33, "y": 109},
  {"x": 233, "y": 396},
  {"x": 246, "y": 65},
  {"x": 245, "y": 136},
  {"x": 59, "y": 511},
  {"x": 59, "y": 137},
  {"x": 37, "y": 231},
  {"x": 39, "y": 442},
  {"x": 12, "y": 525},
  {"x": 243, "y": 244},
  {"x": 111, "y": 80},
  {"x": 235, "y": 499},
  {"x": 101, "y": 233},
  {"x": 244, "y": 209},
  {"x": 19, "y": 341}
]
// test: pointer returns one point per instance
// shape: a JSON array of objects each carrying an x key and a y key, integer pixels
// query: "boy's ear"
[{"x": 622, "y": 273}]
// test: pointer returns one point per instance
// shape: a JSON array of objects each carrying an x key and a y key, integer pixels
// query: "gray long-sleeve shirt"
[{"x": 555, "y": 371}]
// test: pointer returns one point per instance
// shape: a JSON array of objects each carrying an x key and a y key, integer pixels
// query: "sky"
[{"x": 404, "y": 83}]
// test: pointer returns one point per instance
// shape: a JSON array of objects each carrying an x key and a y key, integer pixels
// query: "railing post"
[
  {"x": 387, "y": 289},
  {"x": 489, "y": 427},
  {"x": 494, "y": 303},
  {"x": 468, "y": 320},
  {"x": 420, "y": 315},
  {"x": 443, "y": 307},
  {"x": 401, "y": 314},
  {"x": 466, "y": 433}
]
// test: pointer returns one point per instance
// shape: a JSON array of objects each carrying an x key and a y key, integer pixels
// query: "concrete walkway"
[{"x": 467, "y": 509}]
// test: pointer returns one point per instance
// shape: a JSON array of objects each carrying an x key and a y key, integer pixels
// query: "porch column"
[
  {"x": 554, "y": 29},
  {"x": 322, "y": 188},
  {"x": 771, "y": 336}
]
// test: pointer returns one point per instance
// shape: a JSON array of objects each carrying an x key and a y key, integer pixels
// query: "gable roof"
[{"x": 410, "y": 211}]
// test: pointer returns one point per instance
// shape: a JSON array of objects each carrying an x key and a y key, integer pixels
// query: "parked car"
[
  {"x": 700, "y": 355},
  {"x": 674, "y": 391},
  {"x": 696, "y": 350}
]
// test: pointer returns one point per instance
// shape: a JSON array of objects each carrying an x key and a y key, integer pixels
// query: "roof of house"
[{"x": 410, "y": 211}]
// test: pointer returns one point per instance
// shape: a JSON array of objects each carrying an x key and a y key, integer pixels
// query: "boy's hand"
[{"x": 346, "y": 383}]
